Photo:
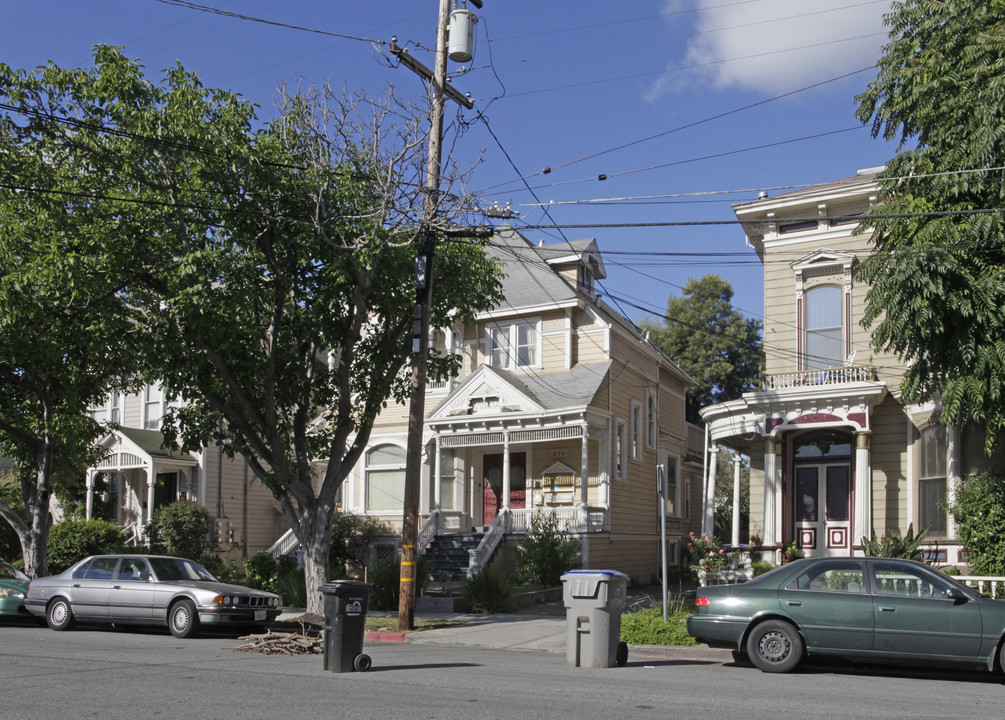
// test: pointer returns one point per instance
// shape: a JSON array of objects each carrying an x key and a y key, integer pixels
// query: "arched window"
[
  {"x": 385, "y": 479},
  {"x": 824, "y": 337}
]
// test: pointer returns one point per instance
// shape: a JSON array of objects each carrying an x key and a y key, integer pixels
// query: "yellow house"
[{"x": 835, "y": 455}]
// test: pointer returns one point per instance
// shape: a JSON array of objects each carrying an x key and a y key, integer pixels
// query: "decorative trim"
[
  {"x": 837, "y": 537},
  {"x": 808, "y": 538}
]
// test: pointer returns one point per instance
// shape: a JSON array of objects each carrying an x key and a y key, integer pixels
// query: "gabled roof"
[{"x": 491, "y": 392}]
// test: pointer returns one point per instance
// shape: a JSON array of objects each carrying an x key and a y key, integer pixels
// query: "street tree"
[
  {"x": 710, "y": 340},
  {"x": 272, "y": 265},
  {"x": 64, "y": 340},
  {"x": 936, "y": 275}
]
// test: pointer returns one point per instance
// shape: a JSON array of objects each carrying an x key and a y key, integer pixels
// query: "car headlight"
[
  {"x": 11, "y": 592},
  {"x": 221, "y": 600}
]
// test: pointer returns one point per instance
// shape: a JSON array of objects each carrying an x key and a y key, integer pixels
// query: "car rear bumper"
[{"x": 716, "y": 631}]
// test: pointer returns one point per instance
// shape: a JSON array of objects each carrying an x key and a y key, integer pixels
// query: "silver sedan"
[{"x": 146, "y": 590}]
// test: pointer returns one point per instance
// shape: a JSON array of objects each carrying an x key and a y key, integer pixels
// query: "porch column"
[
  {"x": 437, "y": 491},
  {"x": 604, "y": 498},
  {"x": 708, "y": 499},
  {"x": 863, "y": 489},
  {"x": 953, "y": 451},
  {"x": 89, "y": 503},
  {"x": 584, "y": 470},
  {"x": 505, "y": 478},
  {"x": 151, "y": 482},
  {"x": 771, "y": 536},
  {"x": 736, "y": 500}
]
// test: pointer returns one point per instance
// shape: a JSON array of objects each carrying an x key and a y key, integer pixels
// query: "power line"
[
  {"x": 679, "y": 128},
  {"x": 251, "y": 18}
]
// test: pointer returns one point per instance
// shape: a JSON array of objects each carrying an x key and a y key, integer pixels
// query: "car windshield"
[
  {"x": 178, "y": 569},
  {"x": 9, "y": 572}
]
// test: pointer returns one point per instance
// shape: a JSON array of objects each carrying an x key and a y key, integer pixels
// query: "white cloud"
[{"x": 773, "y": 46}]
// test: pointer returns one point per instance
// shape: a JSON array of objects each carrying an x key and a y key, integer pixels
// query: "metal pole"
[
  {"x": 661, "y": 485},
  {"x": 424, "y": 295}
]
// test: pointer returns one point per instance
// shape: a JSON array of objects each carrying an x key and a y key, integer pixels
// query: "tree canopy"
[
  {"x": 937, "y": 296},
  {"x": 271, "y": 265},
  {"x": 710, "y": 340}
]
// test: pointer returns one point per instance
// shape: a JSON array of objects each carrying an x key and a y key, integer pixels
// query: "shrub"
[
  {"x": 895, "y": 545},
  {"x": 352, "y": 537},
  {"x": 291, "y": 583},
  {"x": 979, "y": 512},
  {"x": 761, "y": 566},
  {"x": 385, "y": 576},
  {"x": 646, "y": 626},
  {"x": 545, "y": 552},
  {"x": 488, "y": 591},
  {"x": 222, "y": 567},
  {"x": 184, "y": 529},
  {"x": 74, "y": 540},
  {"x": 261, "y": 571},
  {"x": 706, "y": 557}
]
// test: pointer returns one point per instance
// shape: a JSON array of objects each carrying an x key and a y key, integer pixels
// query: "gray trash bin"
[
  {"x": 345, "y": 625},
  {"x": 594, "y": 601}
]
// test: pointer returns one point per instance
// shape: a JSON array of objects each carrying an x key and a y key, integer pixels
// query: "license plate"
[{"x": 259, "y": 615}]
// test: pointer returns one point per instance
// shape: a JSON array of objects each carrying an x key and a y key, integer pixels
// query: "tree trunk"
[{"x": 316, "y": 553}]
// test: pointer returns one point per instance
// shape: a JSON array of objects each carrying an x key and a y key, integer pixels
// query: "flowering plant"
[{"x": 706, "y": 557}]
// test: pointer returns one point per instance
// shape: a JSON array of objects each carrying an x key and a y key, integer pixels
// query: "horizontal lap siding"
[{"x": 888, "y": 450}]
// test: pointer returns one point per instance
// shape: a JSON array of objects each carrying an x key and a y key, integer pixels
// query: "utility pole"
[{"x": 420, "y": 324}]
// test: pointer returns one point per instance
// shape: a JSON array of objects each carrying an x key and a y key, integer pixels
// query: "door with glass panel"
[{"x": 823, "y": 509}]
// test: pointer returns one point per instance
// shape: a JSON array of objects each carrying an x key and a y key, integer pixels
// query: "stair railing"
[
  {"x": 480, "y": 556},
  {"x": 429, "y": 530}
]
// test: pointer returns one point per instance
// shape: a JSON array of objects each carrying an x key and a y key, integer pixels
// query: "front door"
[
  {"x": 492, "y": 485},
  {"x": 823, "y": 509}
]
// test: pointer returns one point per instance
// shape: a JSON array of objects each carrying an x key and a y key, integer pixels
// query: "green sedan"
[
  {"x": 873, "y": 609},
  {"x": 13, "y": 586}
]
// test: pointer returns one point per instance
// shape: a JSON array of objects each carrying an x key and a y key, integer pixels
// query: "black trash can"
[{"x": 345, "y": 625}]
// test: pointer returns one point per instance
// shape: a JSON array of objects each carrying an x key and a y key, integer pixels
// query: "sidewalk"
[{"x": 540, "y": 627}]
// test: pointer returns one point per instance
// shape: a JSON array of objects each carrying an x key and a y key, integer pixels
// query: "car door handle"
[
  {"x": 888, "y": 609},
  {"x": 794, "y": 603}
]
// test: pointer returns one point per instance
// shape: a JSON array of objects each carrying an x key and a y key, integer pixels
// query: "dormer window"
[{"x": 586, "y": 278}]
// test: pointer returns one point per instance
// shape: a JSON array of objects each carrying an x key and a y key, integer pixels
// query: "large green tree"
[
  {"x": 64, "y": 340},
  {"x": 711, "y": 341},
  {"x": 937, "y": 296},
  {"x": 272, "y": 266}
]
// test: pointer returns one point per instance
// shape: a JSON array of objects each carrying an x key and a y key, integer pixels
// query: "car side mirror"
[{"x": 956, "y": 596}]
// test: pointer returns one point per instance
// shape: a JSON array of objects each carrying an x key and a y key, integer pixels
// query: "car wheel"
[
  {"x": 183, "y": 620},
  {"x": 775, "y": 646},
  {"x": 58, "y": 615}
]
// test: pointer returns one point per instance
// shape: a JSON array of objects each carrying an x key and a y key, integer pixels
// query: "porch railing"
[
  {"x": 993, "y": 586},
  {"x": 827, "y": 376},
  {"x": 570, "y": 519}
]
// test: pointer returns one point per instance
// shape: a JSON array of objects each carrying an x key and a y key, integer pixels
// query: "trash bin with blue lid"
[
  {"x": 345, "y": 625},
  {"x": 594, "y": 601}
]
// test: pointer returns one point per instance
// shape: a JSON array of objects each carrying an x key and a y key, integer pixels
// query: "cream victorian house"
[
  {"x": 835, "y": 455},
  {"x": 561, "y": 407}
]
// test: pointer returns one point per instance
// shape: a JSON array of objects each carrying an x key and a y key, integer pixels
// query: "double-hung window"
[
  {"x": 932, "y": 481},
  {"x": 824, "y": 332},
  {"x": 385, "y": 479},
  {"x": 516, "y": 345}
]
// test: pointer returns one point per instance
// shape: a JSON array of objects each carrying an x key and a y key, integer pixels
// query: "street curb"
[{"x": 381, "y": 636}]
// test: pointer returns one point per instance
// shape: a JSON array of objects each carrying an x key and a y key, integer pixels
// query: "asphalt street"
[{"x": 131, "y": 674}]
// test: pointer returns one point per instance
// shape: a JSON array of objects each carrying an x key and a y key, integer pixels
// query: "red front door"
[{"x": 492, "y": 485}]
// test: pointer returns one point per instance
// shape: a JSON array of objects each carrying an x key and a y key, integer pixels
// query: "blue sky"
[{"x": 686, "y": 106}]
